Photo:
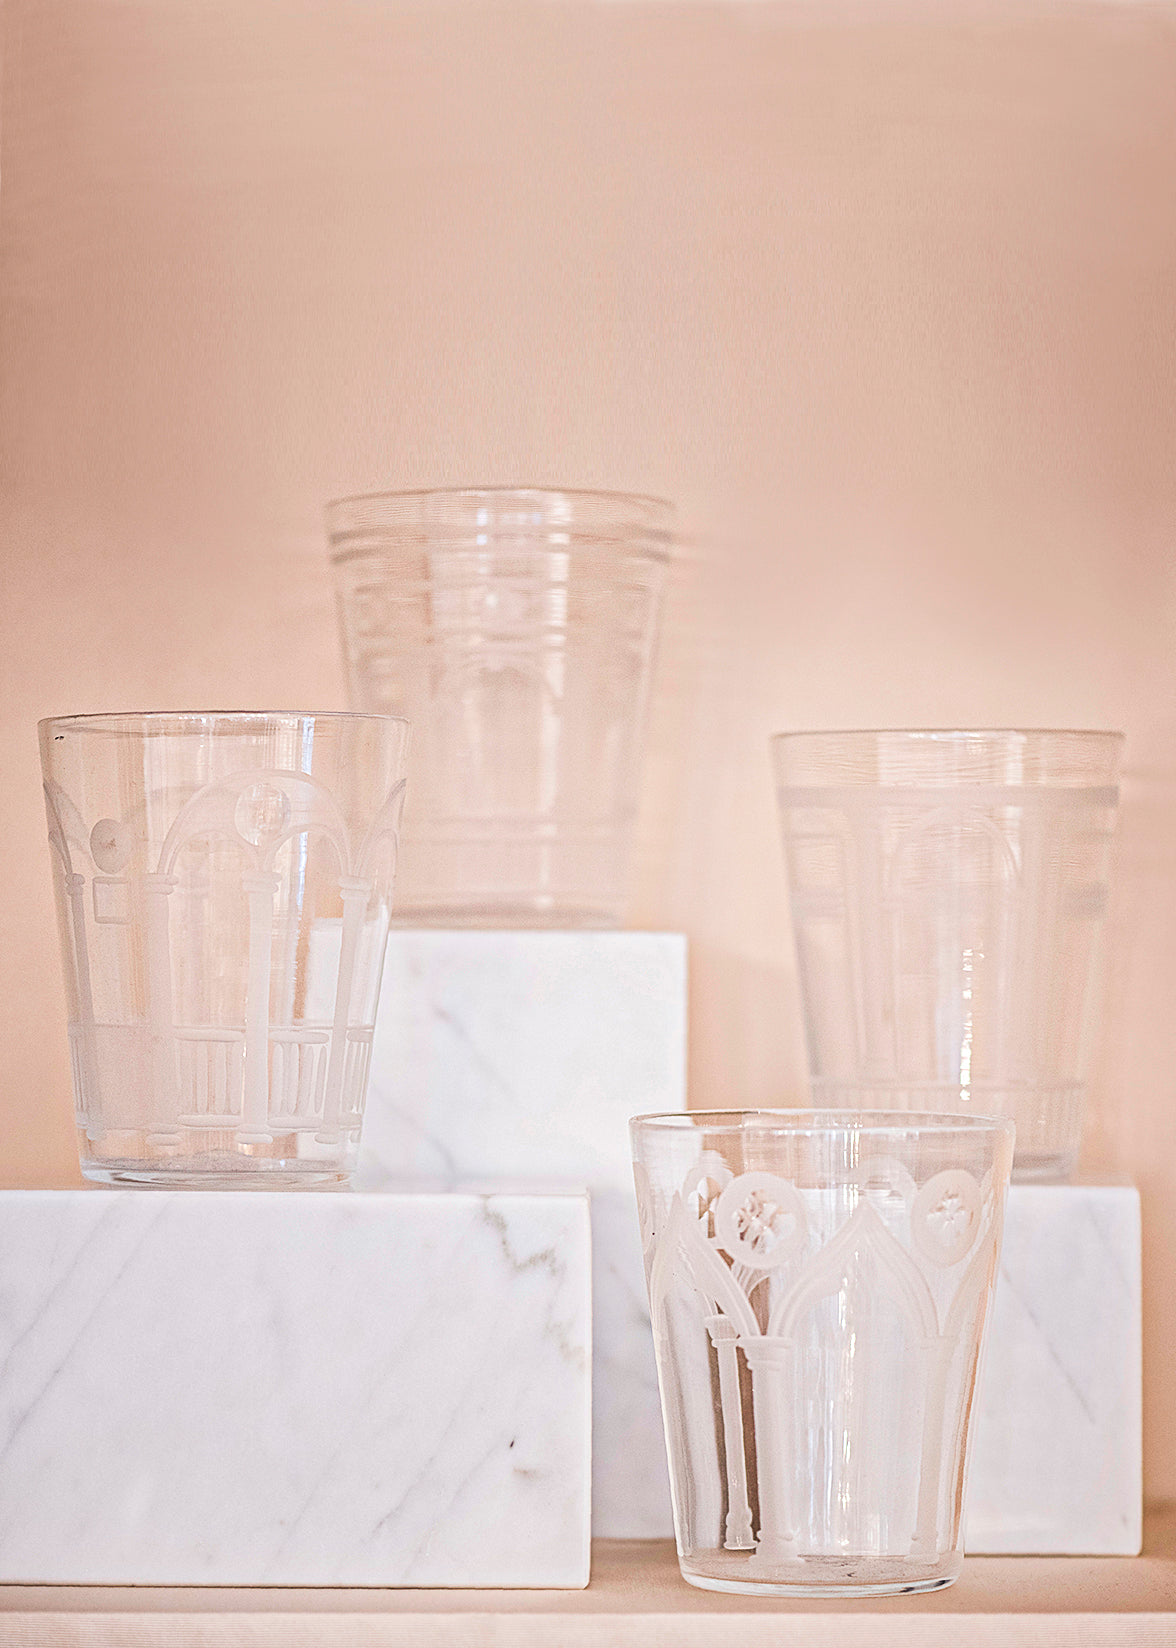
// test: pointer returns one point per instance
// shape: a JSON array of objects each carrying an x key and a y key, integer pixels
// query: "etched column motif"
[
  {"x": 355, "y": 894},
  {"x": 83, "y": 990},
  {"x": 260, "y": 890},
  {"x": 770, "y": 1361},
  {"x": 738, "y": 1527},
  {"x": 932, "y": 1256},
  {"x": 65, "y": 825},
  {"x": 228, "y": 1060},
  {"x": 157, "y": 891}
]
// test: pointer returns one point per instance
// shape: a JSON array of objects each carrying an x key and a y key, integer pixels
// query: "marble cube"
[
  {"x": 1056, "y": 1463},
  {"x": 289, "y": 1388},
  {"x": 525, "y": 1054}
]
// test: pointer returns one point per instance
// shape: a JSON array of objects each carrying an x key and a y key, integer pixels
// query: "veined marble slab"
[
  {"x": 1057, "y": 1458},
  {"x": 525, "y": 1054},
  {"x": 288, "y": 1388}
]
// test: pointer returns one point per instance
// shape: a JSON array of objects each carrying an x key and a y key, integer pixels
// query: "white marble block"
[
  {"x": 525, "y": 1054},
  {"x": 289, "y": 1388},
  {"x": 1057, "y": 1455}
]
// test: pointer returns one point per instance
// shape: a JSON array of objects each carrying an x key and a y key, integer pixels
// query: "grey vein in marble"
[
  {"x": 275, "y": 1388},
  {"x": 523, "y": 1055}
]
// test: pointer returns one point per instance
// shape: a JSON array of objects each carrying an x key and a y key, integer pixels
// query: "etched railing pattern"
[
  {"x": 210, "y": 1074},
  {"x": 299, "y": 1059}
]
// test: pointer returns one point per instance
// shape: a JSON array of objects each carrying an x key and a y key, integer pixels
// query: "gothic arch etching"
[
  {"x": 759, "y": 1256},
  {"x": 254, "y": 1076}
]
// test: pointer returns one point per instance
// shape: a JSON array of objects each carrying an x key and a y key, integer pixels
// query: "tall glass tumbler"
[
  {"x": 516, "y": 629},
  {"x": 223, "y": 890},
  {"x": 819, "y": 1286},
  {"x": 948, "y": 900}
]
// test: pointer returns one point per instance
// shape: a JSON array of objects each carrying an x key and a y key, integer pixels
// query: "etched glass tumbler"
[
  {"x": 516, "y": 630},
  {"x": 223, "y": 888},
  {"x": 819, "y": 1284},
  {"x": 948, "y": 900}
]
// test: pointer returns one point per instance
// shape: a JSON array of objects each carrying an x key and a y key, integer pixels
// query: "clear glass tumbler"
[
  {"x": 516, "y": 630},
  {"x": 223, "y": 889},
  {"x": 819, "y": 1285},
  {"x": 948, "y": 900}
]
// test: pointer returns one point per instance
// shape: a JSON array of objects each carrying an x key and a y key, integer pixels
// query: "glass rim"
[
  {"x": 648, "y": 500},
  {"x": 130, "y": 721},
  {"x": 820, "y": 1123},
  {"x": 643, "y": 517},
  {"x": 946, "y": 733}
]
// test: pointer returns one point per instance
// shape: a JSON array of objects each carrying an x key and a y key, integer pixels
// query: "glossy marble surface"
[
  {"x": 1057, "y": 1460},
  {"x": 291, "y": 1388},
  {"x": 510, "y": 1054},
  {"x": 525, "y": 1053}
]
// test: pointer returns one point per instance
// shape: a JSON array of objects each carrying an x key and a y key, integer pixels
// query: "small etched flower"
[
  {"x": 759, "y": 1220},
  {"x": 949, "y": 1217},
  {"x": 111, "y": 844},
  {"x": 761, "y": 1223},
  {"x": 946, "y": 1216}
]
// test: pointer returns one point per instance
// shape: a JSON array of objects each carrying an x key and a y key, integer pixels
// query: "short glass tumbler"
[
  {"x": 948, "y": 893},
  {"x": 516, "y": 630},
  {"x": 223, "y": 889},
  {"x": 819, "y": 1285}
]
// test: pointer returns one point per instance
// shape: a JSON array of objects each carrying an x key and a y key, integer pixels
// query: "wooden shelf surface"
[{"x": 636, "y": 1600}]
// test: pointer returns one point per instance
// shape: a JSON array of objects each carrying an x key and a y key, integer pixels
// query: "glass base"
[
  {"x": 506, "y": 916},
  {"x": 1050, "y": 1167},
  {"x": 172, "y": 1176},
  {"x": 822, "y": 1576}
]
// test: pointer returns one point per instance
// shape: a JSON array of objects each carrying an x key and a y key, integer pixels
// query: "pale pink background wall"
[{"x": 884, "y": 298}]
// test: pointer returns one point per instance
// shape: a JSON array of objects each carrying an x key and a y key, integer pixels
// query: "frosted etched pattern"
[
  {"x": 818, "y": 1291},
  {"x": 948, "y": 900},
  {"x": 516, "y": 630},
  {"x": 205, "y": 1037}
]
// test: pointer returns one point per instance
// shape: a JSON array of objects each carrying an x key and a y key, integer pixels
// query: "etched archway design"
[
  {"x": 961, "y": 1268},
  {"x": 232, "y": 1059},
  {"x": 977, "y": 1277},
  {"x": 862, "y": 1233},
  {"x": 260, "y": 811},
  {"x": 482, "y": 701},
  {"x": 683, "y": 1251},
  {"x": 772, "y": 1355},
  {"x": 730, "y": 1313},
  {"x": 962, "y": 821},
  {"x": 65, "y": 822},
  {"x": 384, "y": 829}
]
